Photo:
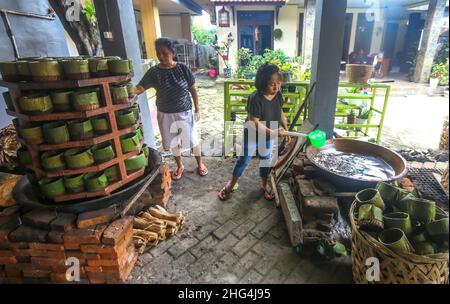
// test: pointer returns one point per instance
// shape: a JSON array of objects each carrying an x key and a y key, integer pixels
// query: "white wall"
[
  {"x": 171, "y": 26},
  {"x": 288, "y": 23},
  {"x": 378, "y": 33}
]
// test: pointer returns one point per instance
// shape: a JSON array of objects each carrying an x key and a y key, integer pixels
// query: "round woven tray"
[{"x": 395, "y": 268}]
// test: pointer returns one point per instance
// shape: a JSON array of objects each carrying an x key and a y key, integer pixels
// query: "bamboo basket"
[
  {"x": 395, "y": 268},
  {"x": 358, "y": 73}
]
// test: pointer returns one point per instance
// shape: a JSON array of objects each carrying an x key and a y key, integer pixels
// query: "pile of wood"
[
  {"x": 155, "y": 225},
  {"x": 10, "y": 145},
  {"x": 443, "y": 144}
]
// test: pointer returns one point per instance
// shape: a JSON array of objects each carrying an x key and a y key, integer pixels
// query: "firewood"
[{"x": 165, "y": 215}]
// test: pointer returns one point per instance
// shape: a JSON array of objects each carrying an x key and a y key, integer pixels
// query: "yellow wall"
[{"x": 151, "y": 26}]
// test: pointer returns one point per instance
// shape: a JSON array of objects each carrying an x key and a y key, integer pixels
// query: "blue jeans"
[{"x": 250, "y": 148}]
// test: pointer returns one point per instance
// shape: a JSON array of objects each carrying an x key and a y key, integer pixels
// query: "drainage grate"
[{"x": 428, "y": 185}]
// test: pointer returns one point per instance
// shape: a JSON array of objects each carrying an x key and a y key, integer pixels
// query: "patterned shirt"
[{"x": 172, "y": 87}]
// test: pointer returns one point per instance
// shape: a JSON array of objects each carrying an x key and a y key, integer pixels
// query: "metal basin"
[{"x": 360, "y": 148}]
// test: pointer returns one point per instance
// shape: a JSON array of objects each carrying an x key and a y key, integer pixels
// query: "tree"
[{"x": 84, "y": 33}]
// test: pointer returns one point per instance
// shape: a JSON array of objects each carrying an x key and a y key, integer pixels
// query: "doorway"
[
  {"x": 390, "y": 39},
  {"x": 364, "y": 32},
  {"x": 347, "y": 34},
  {"x": 255, "y": 30}
]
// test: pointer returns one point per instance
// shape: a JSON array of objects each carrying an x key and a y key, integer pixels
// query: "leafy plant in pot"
[
  {"x": 361, "y": 119},
  {"x": 351, "y": 118},
  {"x": 439, "y": 75}
]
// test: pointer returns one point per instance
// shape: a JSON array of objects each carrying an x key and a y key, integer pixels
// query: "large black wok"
[{"x": 347, "y": 183}]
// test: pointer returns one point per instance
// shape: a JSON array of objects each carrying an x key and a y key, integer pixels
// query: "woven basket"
[
  {"x": 395, "y": 268},
  {"x": 358, "y": 73}
]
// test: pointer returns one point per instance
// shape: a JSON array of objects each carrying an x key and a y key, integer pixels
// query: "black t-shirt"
[
  {"x": 172, "y": 87},
  {"x": 267, "y": 111}
]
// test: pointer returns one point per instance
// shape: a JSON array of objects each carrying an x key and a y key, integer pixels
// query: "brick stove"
[
  {"x": 312, "y": 206},
  {"x": 36, "y": 243}
]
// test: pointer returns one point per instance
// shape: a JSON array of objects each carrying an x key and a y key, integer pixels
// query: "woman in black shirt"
[{"x": 174, "y": 84}]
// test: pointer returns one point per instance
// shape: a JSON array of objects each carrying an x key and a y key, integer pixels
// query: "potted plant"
[
  {"x": 351, "y": 118},
  {"x": 438, "y": 72},
  {"x": 224, "y": 53},
  {"x": 361, "y": 119},
  {"x": 277, "y": 34}
]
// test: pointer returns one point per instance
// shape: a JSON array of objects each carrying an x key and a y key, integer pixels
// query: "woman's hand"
[
  {"x": 139, "y": 90},
  {"x": 282, "y": 133},
  {"x": 196, "y": 116}
]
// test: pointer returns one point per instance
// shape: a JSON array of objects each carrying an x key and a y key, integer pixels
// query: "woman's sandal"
[
  {"x": 178, "y": 173},
  {"x": 225, "y": 193},
  {"x": 268, "y": 193},
  {"x": 202, "y": 172}
]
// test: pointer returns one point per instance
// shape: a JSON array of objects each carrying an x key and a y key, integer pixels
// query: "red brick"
[
  {"x": 6, "y": 229},
  {"x": 93, "y": 269},
  {"x": 55, "y": 237},
  {"x": 28, "y": 234},
  {"x": 8, "y": 260},
  {"x": 95, "y": 263},
  {"x": 20, "y": 245},
  {"x": 58, "y": 277},
  {"x": 46, "y": 246},
  {"x": 47, "y": 261},
  {"x": 36, "y": 273},
  {"x": 14, "y": 270},
  {"x": 64, "y": 222},
  {"x": 71, "y": 246},
  {"x": 39, "y": 218},
  {"x": 117, "y": 230},
  {"x": 85, "y": 236},
  {"x": 93, "y": 218},
  {"x": 6, "y": 253}
]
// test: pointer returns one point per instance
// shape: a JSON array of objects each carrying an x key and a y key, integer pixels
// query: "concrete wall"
[
  {"x": 288, "y": 23},
  {"x": 171, "y": 26},
  {"x": 34, "y": 37}
]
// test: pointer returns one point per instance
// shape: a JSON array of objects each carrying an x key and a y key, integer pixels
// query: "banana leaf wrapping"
[
  {"x": 79, "y": 158},
  {"x": 74, "y": 184},
  {"x": 76, "y": 69},
  {"x": 120, "y": 66},
  {"x": 56, "y": 133},
  {"x": 113, "y": 174},
  {"x": 418, "y": 209},
  {"x": 9, "y": 72},
  {"x": 52, "y": 188},
  {"x": 32, "y": 135},
  {"x": 53, "y": 161},
  {"x": 130, "y": 142},
  {"x": 101, "y": 125},
  {"x": 85, "y": 100},
  {"x": 95, "y": 181},
  {"x": 136, "y": 163},
  {"x": 36, "y": 103},
  {"x": 81, "y": 129},
  {"x": 370, "y": 217},
  {"x": 46, "y": 70},
  {"x": 24, "y": 70},
  {"x": 61, "y": 100},
  {"x": 396, "y": 240},
  {"x": 98, "y": 67},
  {"x": 125, "y": 118},
  {"x": 103, "y": 152}
]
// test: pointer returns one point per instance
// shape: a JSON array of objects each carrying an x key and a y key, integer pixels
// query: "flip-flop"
[
  {"x": 178, "y": 176},
  {"x": 268, "y": 195},
  {"x": 202, "y": 172},
  {"x": 225, "y": 193}
]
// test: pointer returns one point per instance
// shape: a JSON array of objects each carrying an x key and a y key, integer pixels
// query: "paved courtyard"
[{"x": 243, "y": 240}]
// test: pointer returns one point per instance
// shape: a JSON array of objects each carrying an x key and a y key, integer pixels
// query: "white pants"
[{"x": 178, "y": 130}]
